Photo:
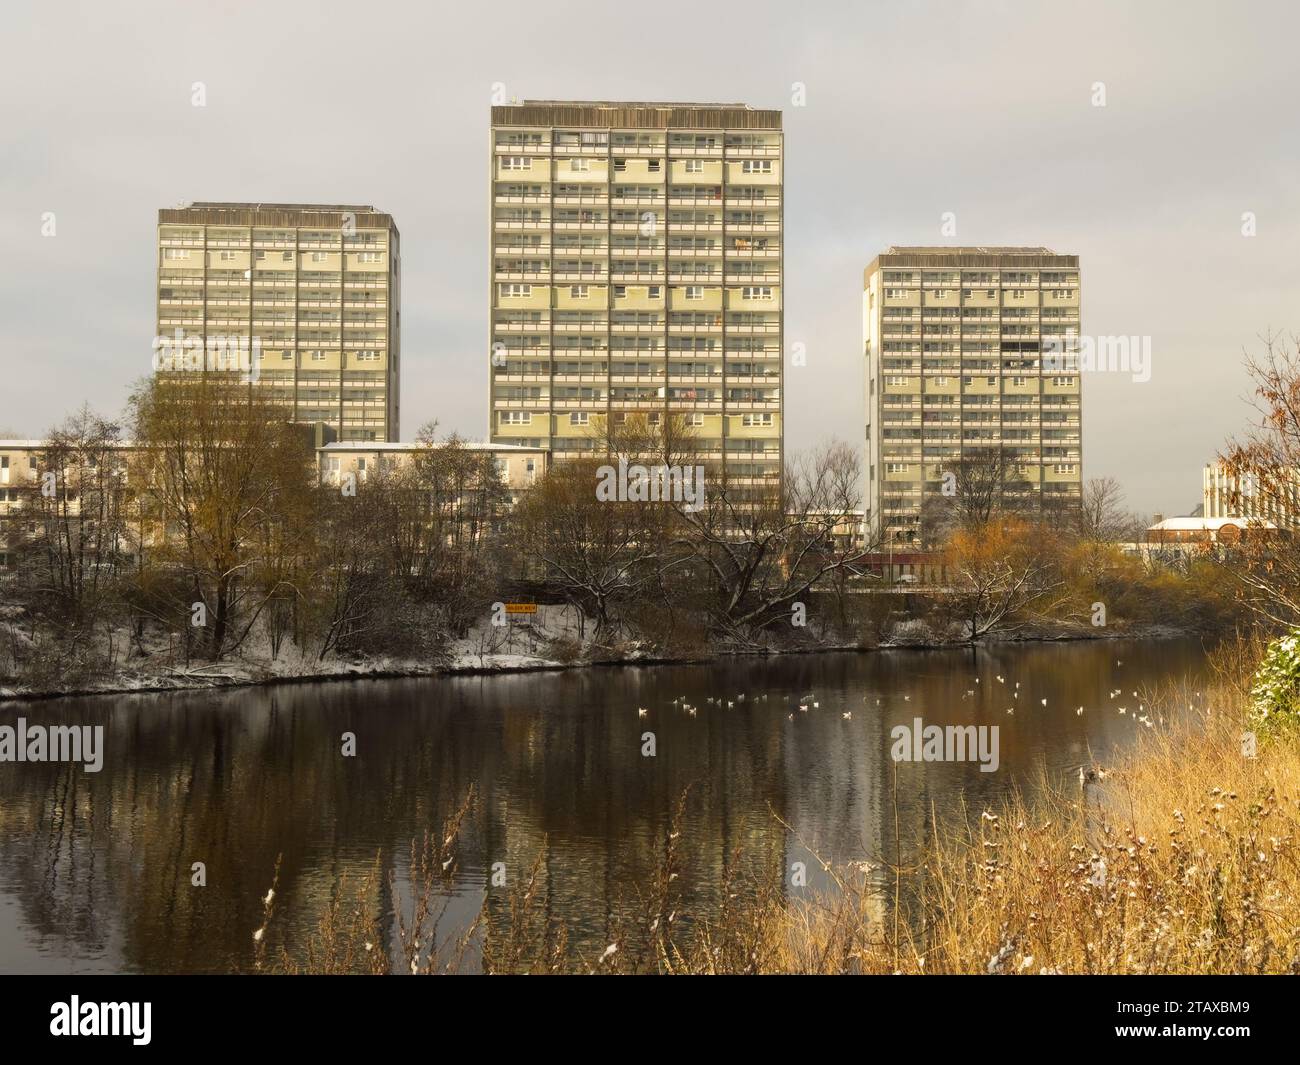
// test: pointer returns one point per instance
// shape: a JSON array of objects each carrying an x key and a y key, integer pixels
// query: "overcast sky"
[{"x": 912, "y": 110}]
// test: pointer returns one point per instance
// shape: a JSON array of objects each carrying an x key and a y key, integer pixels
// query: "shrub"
[{"x": 1275, "y": 694}]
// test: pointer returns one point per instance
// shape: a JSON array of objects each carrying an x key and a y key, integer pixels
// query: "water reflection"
[{"x": 95, "y": 869}]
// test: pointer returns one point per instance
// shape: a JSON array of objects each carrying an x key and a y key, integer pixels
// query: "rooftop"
[
  {"x": 976, "y": 256},
  {"x": 233, "y": 206},
  {"x": 941, "y": 249},
  {"x": 610, "y": 114},
  {"x": 1207, "y": 524},
  {"x": 306, "y": 215},
  {"x": 389, "y": 445}
]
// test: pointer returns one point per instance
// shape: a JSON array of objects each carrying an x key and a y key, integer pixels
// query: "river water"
[{"x": 96, "y": 868}]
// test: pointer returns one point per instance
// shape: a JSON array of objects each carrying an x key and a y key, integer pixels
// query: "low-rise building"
[{"x": 22, "y": 465}]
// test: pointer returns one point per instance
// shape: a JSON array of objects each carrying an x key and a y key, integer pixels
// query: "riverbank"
[{"x": 520, "y": 648}]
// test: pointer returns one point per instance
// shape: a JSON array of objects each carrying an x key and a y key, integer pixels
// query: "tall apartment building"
[
  {"x": 317, "y": 287},
  {"x": 637, "y": 270},
  {"x": 954, "y": 344}
]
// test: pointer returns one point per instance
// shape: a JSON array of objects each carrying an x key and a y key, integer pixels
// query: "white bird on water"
[
  {"x": 641, "y": 711},
  {"x": 847, "y": 715},
  {"x": 1079, "y": 712},
  {"x": 1044, "y": 702}
]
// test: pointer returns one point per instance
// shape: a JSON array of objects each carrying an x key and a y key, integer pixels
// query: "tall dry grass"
[{"x": 1182, "y": 859}]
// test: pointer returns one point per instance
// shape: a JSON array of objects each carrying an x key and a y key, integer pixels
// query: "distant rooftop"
[
  {"x": 239, "y": 206},
  {"x": 1207, "y": 524},
  {"x": 248, "y": 213},
  {"x": 630, "y": 103},
  {"x": 940, "y": 249},
  {"x": 392, "y": 445},
  {"x": 634, "y": 114},
  {"x": 978, "y": 256}
]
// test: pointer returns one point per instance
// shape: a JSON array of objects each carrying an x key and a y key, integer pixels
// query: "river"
[{"x": 96, "y": 869}]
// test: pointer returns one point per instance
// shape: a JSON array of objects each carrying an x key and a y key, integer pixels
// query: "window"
[
  {"x": 226, "y": 256},
  {"x": 1017, "y": 293},
  {"x": 941, "y": 293},
  {"x": 894, "y": 293},
  {"x": 755, "y": 420},
  {"x": 620, "y": 292},
  {"x": 516, "y": 162},
  {"x": 756, "y": 166},
  {"x": 695, "y": 421},
  {"x": 895, "y": 467},
  {"x": 369, "y": 257},
  {"x": 318, "y": 356},
  {"x": 652, "y": 165},
  {"x": 367, "y": 356},
  {"x": 620, "y": 165},
  {"x": 694, "y": 292},
  {"x": 579, "y": 417},
  {"x": 516, "y": 417},
  {"x": 260, "y": 256},
  {"x": 176, "y": 253},
  {"x": 318, "y": 256},
  {"x": 286, "y": 256},
  {"x": 579, "y": 292},
  {"x": 756, "y": 292},
  {"x": 694, "y": 166},
  {"x": 653, "y": 292},
  {"x": 516, "y": 291},
  {"x": 581, "y": 166}
]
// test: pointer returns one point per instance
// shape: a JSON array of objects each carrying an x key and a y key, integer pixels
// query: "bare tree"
[
  {"x": 597, "y": 551},
  {"x": 1102, "y": 516},
  {"x": 1265, "y": 462},
  {"x": 763, "y": 554},
  {"x": 971, "y": 490},
  {"x": 227, "y": 484},
  {"x": 1000, "y": 573},
  {"x": 77, "y": 501}
]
